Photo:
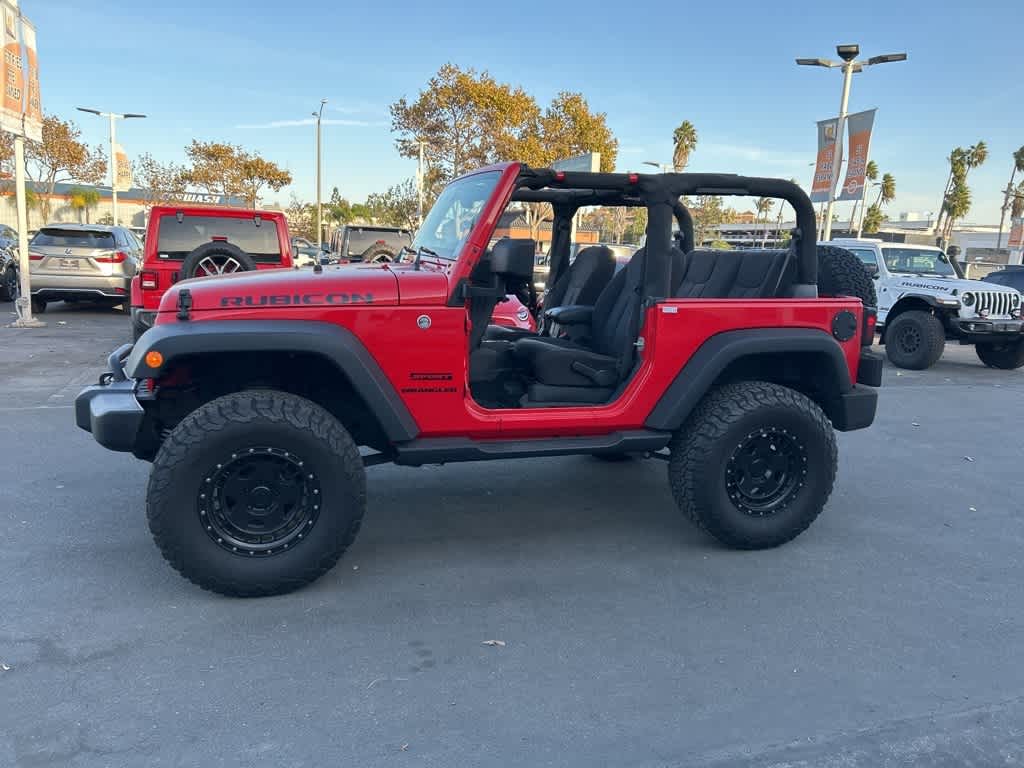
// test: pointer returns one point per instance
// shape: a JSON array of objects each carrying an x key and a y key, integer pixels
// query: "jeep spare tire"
[
  {"x": 216, "y": 258},
  {"x": 841, "y": 273}
]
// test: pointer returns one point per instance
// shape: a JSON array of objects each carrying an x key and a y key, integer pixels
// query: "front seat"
[
  {"x": 567, "y": 371},
  {"x": 588, "y": 275}
]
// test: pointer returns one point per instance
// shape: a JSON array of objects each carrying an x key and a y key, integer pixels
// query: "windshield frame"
[
  {"x": 939, "y": 257},
  {"x": 450, "y": 209}
]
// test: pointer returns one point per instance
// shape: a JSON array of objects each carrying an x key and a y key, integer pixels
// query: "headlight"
[
  {"x": 967, "y": 299},
  {"x": 523, "y": 315}
]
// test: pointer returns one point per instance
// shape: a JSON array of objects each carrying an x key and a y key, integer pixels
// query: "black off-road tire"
[
  {"x": 841, "y": 273},
  {"x": 217, "y": 251},
  {"x": 9, "y": 286},
  {"x": 38, "y": 306},
  {"x": 380, "y": 256},
  {"x": 914, "y": 340},
  {"x": 708, "y": 447},
  {"x": 244, "y": 424},
  {"x": 1007, "y": 356}
]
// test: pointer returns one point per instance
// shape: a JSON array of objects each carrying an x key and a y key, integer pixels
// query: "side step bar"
[{"x": 440, "y": 450}]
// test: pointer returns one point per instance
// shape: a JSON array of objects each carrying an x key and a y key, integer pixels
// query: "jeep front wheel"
[
  {"x": 915, "y": 340},
  {"x": 256, "y": 493},
  {"x": 754, "y": 464},
  {"x": 1008, "y": 356}
]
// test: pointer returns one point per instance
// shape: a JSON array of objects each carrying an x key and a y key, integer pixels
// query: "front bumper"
[
  {"x": 985, "y": 330},
  {"x": 110, "y": 410}
]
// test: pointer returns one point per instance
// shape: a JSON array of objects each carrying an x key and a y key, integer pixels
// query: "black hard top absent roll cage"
[{"x": 568, "y": 191}]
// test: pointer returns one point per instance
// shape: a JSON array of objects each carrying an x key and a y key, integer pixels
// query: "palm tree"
[
  {"x": 684, "y": 141},
  {"x": 977, "y": 155},
  {"x": 886, "y": 190},
  {"x": 764, "y": 207},
  {"x": 82, "y": 199},
  {"x": 1017, "y": 206},
  {"x": 1018, "y": 165}
]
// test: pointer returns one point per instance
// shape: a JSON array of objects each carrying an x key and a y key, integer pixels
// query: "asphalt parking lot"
[{"x": 890, "y": 633}]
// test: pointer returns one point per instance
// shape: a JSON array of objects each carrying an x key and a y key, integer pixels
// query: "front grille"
[{"x": 998, "y": 304}]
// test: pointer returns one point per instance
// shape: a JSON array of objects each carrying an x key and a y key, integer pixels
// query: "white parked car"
[{"x": 924, "y": 300}]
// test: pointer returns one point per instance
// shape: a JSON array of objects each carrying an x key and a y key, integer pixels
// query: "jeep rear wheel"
[
  {"x": 256, "y": 493},
  {"x": 754, "y": 464},
  {"x": 915, "y": 340},
  {"x": 1007, "y": 356}
]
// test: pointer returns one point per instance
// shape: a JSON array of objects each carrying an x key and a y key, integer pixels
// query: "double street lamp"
[
  {"x": 849, "y": 65},
  {"x": 114, "y": 116}
]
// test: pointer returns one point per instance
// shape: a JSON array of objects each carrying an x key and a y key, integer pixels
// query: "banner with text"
[
  {"x": 824, "y": 171},
  {"x": 122, "y": 168},
  {"x": 859, "y": 127},
  {"x": 21, "y": 108},
  {"x": 34, "y": 101}
]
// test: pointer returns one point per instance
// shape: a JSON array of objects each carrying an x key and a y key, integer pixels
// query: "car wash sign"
[{"x": 21, "y": 109}]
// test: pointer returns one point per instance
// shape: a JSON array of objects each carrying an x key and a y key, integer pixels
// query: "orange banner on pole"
[
  {"x": 13, "y": 73},
  {"x": 21, "y": 108},
  {"x": 34, "y": 100},
  {"x": 859, "y": 131},
  {"x": 824, "y": 169}
]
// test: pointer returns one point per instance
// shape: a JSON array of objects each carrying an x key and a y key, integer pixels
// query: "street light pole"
[
  {"x": 114, "y": 116},
  {"x": 319, "y": 189},
  {"x": 663, "y": 167},
  {"x": 849, "y": 65}
]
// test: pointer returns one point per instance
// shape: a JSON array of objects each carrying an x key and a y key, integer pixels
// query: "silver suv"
[{"x": 83, "y": 262}]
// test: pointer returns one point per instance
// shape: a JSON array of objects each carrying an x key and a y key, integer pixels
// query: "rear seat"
[{"x": 740, "y": 274}]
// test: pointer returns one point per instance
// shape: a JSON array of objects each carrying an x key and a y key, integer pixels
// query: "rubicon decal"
[{"x": 296, "y": 299}]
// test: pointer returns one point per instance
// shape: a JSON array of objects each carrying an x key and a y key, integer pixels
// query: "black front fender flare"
[
  {"x": 338, "y": 345},
  {"x": 721, "y": 350}
]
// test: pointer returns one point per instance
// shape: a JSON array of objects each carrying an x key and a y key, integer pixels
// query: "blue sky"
[{"x": 251, "y": 73}]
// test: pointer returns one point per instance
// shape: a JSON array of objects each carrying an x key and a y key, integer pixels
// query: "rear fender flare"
[
  {"x": 720, "y": 351},
  {"x": 338, "y": 345}
]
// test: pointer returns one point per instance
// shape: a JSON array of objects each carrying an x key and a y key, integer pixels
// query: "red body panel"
[
  {"x": 167, "y": 271},
  {"x": 401, "y": 348}
]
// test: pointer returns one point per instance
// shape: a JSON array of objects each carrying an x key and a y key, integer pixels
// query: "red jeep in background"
[
  {"x": 186, "y": 242},
  {"x": 253, "y": 394}
]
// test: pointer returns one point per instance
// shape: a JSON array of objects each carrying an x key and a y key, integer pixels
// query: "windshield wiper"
[{"x": 406, "y": 249}]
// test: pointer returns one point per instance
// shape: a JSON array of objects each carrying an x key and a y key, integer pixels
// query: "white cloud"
[
  {"x": 312, "y": 121},
  {"x": 359, "y": 108}
]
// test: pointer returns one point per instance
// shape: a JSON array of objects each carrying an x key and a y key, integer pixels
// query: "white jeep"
[{"x": 923, "y": 299}]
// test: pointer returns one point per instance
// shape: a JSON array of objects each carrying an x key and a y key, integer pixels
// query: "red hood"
[{"x": 375, "y": 284}]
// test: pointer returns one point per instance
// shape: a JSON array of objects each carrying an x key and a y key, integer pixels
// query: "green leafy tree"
[
  {"x": 720, "y": 245},
  {"x": 395, "y": 207},
  {"x": 61, "y": 157},
  {"x": 873, "y": 219},
  {"x": 708, "y": 214},
  {"x": 684, "y": 142},
  {"x": 255, "y": 173},
  {"x": 870, "y": 175},
  {"x": 163, "y": 183},
  {"x": 465, "y": 118},
  {"x": 82, "y": 199},
  {"x": 637, "y": 225},
  {"x": 764, "y": 207},
  {"x": 957, "y": 196}
]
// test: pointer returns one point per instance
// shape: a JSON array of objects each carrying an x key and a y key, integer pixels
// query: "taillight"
[
  {"x": 868, "y": 331},
  {"x": 117, "y": 257},
  {"x": 35, "y": 256},
  {"x": 148, "y": 281}
]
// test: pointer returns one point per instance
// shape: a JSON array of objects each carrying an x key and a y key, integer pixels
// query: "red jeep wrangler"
[
  {"x": 187, "y": 242},
  {"x": 253, "y": 394},
  {"x": 184, "y": 243}
]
